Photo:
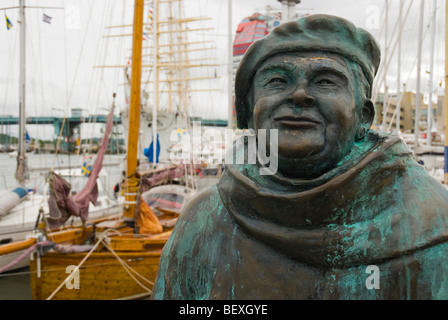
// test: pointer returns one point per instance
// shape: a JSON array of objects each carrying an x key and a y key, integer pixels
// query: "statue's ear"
[{"x": 367, "y": 116}]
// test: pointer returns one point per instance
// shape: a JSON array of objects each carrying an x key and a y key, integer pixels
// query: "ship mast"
[
  {"x": 419, "y": 66},
  {"x": 131, "y": 183},
  {"x": 170, "y": 64},
  {"x": 22, "y": 171},
  {"x": 156, "y": 81}
]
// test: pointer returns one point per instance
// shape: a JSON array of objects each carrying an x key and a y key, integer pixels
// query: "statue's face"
[{"x": 310, "y": 98}]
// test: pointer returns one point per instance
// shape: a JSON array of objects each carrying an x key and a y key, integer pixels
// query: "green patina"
[{"x": 313, "y": 236}]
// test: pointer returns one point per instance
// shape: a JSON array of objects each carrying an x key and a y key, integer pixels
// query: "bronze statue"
[{"x": 348, "y": 215}]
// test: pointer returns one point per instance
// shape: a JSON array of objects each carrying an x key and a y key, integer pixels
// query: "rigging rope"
[
  {"x": 129, "y": 269},
  {"x": 77, "y": 268}
]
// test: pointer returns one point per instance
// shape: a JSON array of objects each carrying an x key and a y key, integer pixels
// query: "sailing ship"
[
  {"x": 117, "y": 257},
  {"x": 20, "y": 219},
  {"x": 21, "y": 206}
]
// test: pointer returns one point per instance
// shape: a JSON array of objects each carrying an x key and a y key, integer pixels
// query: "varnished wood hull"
[{"x": 101, "y": 277}]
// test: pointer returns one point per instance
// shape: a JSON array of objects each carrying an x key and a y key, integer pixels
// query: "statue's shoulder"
[{"x": 202, "y": 204}]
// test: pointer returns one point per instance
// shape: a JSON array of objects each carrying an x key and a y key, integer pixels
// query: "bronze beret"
[{"x": 318, "y": 32}]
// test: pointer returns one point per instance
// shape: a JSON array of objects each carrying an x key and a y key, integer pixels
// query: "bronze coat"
[{"x": 267, "y": 237}]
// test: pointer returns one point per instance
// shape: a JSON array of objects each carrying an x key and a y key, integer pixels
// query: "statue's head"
[{"x": 310, "y": 79}]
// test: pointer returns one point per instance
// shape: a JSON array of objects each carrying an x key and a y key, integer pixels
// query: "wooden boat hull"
[{"x": 101, "y": 277}]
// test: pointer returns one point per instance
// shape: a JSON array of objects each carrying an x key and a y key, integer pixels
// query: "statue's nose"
[{"x": 302, "y": 99}]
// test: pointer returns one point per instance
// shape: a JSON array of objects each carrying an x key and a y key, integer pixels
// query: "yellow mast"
[{"x": 131, "y": 183}]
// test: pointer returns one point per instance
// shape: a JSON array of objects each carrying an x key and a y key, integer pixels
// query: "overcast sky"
[{"x": 61, "y": 55}]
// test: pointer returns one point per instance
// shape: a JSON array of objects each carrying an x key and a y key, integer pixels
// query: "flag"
[
  {"x": 47, "y": 18},
  {"x": 8, "y": 23},
  {"x": 150, "y": 15},
  {"x": 86, "y": 169},
  {"x": 180, "y": 132},
  {"x": 27, "y": 140},
  {"x": 150, "y": 10}
]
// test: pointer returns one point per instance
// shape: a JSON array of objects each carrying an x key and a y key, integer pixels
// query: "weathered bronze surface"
[{"x": 348, "y": 215}]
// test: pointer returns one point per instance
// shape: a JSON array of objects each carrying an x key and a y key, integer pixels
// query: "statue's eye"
[
  {"x": 325, "y": 82},
  {"x": 276, "y": 80}
]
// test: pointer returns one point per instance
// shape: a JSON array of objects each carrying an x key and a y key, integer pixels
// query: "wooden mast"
[{"x": 131, "y": 183}]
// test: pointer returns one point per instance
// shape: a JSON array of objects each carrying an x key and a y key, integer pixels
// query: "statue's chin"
[
  {"x": 306, "y": 165},
  {"x": 301, "y": 147},
  {"x": 300, "y": 153}
]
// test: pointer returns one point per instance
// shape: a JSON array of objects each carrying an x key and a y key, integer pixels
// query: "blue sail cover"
[{"x": 149, "y": 152}]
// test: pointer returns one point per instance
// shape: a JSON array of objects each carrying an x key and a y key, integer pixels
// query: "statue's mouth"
[{"x": 297, "y": 121}]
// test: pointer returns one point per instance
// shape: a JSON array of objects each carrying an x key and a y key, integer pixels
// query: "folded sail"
[{"x": 61, "y": 204}]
